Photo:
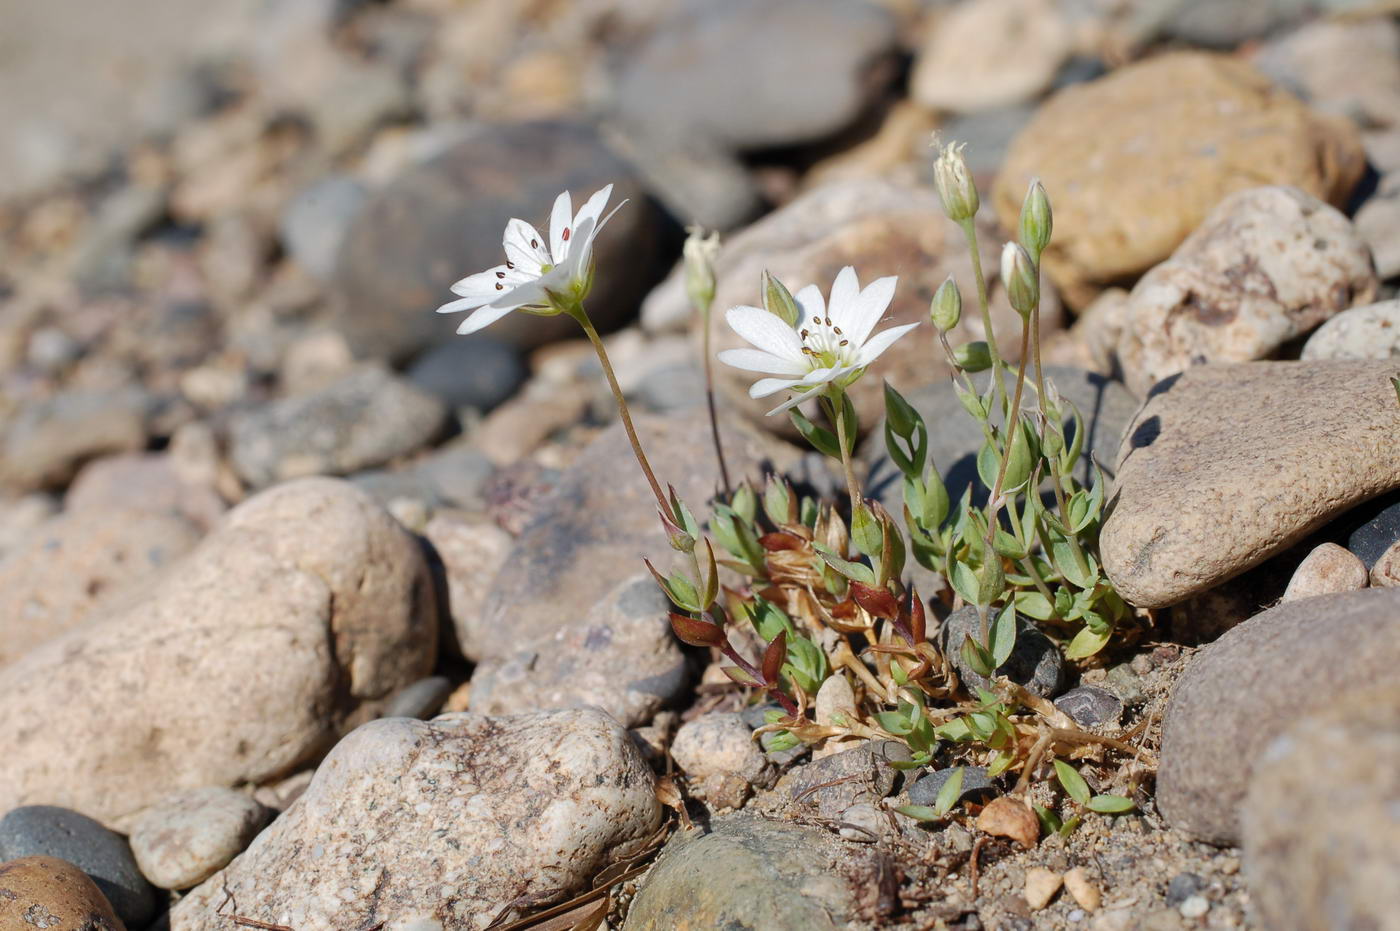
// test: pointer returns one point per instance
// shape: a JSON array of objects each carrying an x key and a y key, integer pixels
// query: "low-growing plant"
[{"x": 823, "y": 583}]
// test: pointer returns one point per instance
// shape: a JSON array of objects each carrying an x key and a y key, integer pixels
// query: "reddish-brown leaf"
[
  {"x": 780, "y": 540},
  {"x": 696, "y": 632},
  {"x": 917, "y": 620},
  {"x": 773, "y": 658},
  {"x": 877, "y": 601}
]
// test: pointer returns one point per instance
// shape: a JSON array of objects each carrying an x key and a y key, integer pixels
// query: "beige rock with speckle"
[
  {"x": 719, "y": 755},
  {"x": 1386, "y": 572},
  {"x": 1083, "y": 888},
  {"x": 1041, "y": 886},
  {"x": 188, "y": 837},
  {"x": 1368, "y": 332},
  {"x": 1329, "y": 568},
  {"x": 53, "y": 895},
  {"x": 835, "y": 699},
  {"x": 472, "y": 550},
  {"x": 449, "y": 820}
]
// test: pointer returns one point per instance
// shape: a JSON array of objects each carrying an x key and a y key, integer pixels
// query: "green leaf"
[
  {"x": 768, "y": 619},
  {"x": 1087, "y": 642},
  {"x": 777, "y": 500},
  {"x": 1069, "y": 826},
  {"x": 822, "y": 439},
  {"x": 894, "y": 722},
  {"x": 1000, "y": 764},
  {"x": 977, "y": 658},
  {"x": 974, "y": 357},
  {"x": 778, "y": 741},
  {"x": 1035, "y": 605},
  {"x": 1020, "y": 459},
  {"x": 955, "y": 730},
  {"x": 918, "y": 812},
  {"x": 948, "y": 795},
  {"x": 914, "y": 762},
  {"x": 1110, "y": 804},
  {"x": 971, "y": 402},
  {"x": 988, "y": 464},
  {"x": 745, "y": 503},
  {"x": 1073, "y": 783},
  {"x": 964, "y": 581},
  {"x": 991, "y": 581},
  {"x": 1003, "y": 636},
  {"x": 1071, "y": 454},
  {"x": 682, "y": 592},
  {"x": 935, "y": 507},
  {"x": 1050, "y": 822},
  {"x": 902, "y": 422},
  {"x": 855, "y": 571},
  {"x": 866, "y": 532},
  {"x": 1007, "y": 545},
  {"x": 711, "y": 580}
]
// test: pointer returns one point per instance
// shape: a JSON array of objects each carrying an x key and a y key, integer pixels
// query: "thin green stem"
[
  {"x": 710, "y": 400},
  {"x": 836, "y": 409},
  {"x": 969, "y": 229},
  {"x": 581, "y": 315}
]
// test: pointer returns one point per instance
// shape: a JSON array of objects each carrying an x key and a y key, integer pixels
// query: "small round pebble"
[
  {"x": 52, "y": 894},
  {"x": 1194, "y": 907},
  {"x": 190, "y": 836},
  {"x": 421, "y": 700}
]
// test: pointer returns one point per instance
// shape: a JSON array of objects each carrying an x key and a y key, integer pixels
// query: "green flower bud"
[
  {"x": 1021, "y": 279},
  {"x": 1036, "y": 220},
  {"x": 954, "y": 183},
  {"x": 778, "y": 300},
  {"x": 946, "y": 307},
  {"x": 700, "y": 251},
  {"x": 973, "y": 357}
]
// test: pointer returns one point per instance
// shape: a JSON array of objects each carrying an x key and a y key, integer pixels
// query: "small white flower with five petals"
[
  {"x": 534, "y": 278},
  {"x": 828, "y": 346}
]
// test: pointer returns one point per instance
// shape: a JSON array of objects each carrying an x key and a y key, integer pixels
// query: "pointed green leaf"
[
  {"x": 1087, "y": 642},
  {"x": 948, "y": 794},
  {"x": 918, "y": 812},
  {"x": 1035, "y": 605},
  {"x": 1110, "y": 804},
  {"x": 1073, "y": 783},
  {"x": 977, "y": 658},
  {"x": 855, "y": 571},
  {"x": 1003, "y": 636},
  {"x": 822, "y": 439}
]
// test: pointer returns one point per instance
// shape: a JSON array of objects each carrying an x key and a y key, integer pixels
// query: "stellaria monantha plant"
[{"x": 825, "y": 590}]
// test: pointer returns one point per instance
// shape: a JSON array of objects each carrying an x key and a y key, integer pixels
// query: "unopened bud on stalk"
[
  {"x": 1020, "y": 278},
  {"x": 946, "y": 307},
  {"x": 778, "y": 300},
  {"x": 973, "y": 357},
  {"x": 1036, "y": 220},
  {"x": 954, "y": 183},
  {"x": 700, "y": 251}
]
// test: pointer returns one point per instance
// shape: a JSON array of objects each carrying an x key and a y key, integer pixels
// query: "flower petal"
[
  {"x": 483, "y": 284},
  {"x": 466, "y": 303},
  {"x": 756, "y": 360},
  {"x": 765, "y": 331},
  {"x": 879, "y": 343},
  {"x": 845, "y": 291},
  {"x": 560, "y": 219},
  {"x": 483, "y": 318},
  {"x": 575, "y": 264},
  {"x": 593, "y": 207},
  {"x": 766, "y": 386},
  {"x": 868, "y": 309},
  {"x": 524, "y": 247},
  {"x": 795, "y": 400},
  {"x": 812, "y": 304}
]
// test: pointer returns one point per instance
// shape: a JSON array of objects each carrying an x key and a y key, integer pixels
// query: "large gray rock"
[
  {"x": 446, "y": 823},
  {"x": 48, "y": 440},
  {"x": 1035, "y": 662},
  {"x": 1253, "y": 683},
  {"x": 1265, "y": 266},
  {"x": 444, "y": 219},
  {"x": 745, "y": 872},
  {"x": 1228, "y": 465},
  {"x": 308, "y": 608},
  {"x": 1321, "y": 822}
]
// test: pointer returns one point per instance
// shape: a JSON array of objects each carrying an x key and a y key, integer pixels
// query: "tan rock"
[
  {"x": 881, "y": 228},
  {"x": 990, "y": 53},
  {"x": 52, "y": 894},
  {"x": 1266, "y": 266},
  {"x": 188, "y": 837},
  {"x": 1234, "y": 463},
  {"x": 1135, "y": 160},
  {"x": 1378, "y": 223},
  {"x": 1005, "y": 816},
  {"x": 1041, "y": 886},
  {"x": 1080, "y": 885},
  {"x": 1371, "y": 331},
  {"x": 1386, "y": 572},
  {"x": 472, "y": 550},
  {"x": 835, "y": 702},
  {"x": 1328, "y": 569},
  {"x": 78, "y": 563},
  {"x": 307, "y": 608},
  {"x": 444, "y": 824}
]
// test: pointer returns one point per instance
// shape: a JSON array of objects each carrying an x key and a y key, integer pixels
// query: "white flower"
[
  {"x": 535, "y": 278},
  {"x": 826, "y": 347}
]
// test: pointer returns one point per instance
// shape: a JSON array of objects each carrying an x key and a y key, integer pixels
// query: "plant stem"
[
  {"x": 1056, "y": 486},
  {"x": 710, "y": 400},
  {"x": 581, "y": 315},
  {"x": 969, "y": 229},
  {"x": 837, "y": 409}
]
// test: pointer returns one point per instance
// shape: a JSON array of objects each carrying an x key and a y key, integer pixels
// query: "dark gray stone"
[
  {"x": 1221, "y": 24},
  {"x": 861, "y": 774},
  {"x": 671, "y": 388},
  {"x": 1182, "y": 887},
  {"x": 421, "y": 700},
  {"x": 987, "y": 133},
  {"x": 50, "y": 831},
  {"x": 1090, "y": 706},
  {"x": 470, "y": 371},
  {"x": 1381, "y": 528},
  {"x": 1035, "y": 663},
  {"x": 975, "y": 785},
  {"x": 364, "y": 419},
  {"x": 316, "y": 219},
  {"x": 45, "y": 442},
  {"x": 444, "y": 219},
  {"x": 458, "y": 473}
]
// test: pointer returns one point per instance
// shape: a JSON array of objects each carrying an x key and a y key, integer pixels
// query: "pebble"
[
  {"x": 105, "y": 856},
  {"x": 1371, "y": 331},
  {"x": 1091, "y": 706},
  {"x": 309, "y": 606},
  {"x": 478, "y": 371},
  {"x": 1223, "y": 23},
  {"x": 315, "y": 220},
  {"x": 1194, "y": 907},
  {"x": 46, "y": 442},
  {"x": 1351, "y": 68},
  {"x": 619, "y": 656},
  {"x": 975, "y": 785},
  {"x": 1318, "y": 822},
  {"x": 1200, "y": 496},
  {"x": 986, "y": 54},
  {"x": 152, "y": 483},
  {"x": 422, "y": 700},
  {"x": 469, "y": 552},
  {"x": 1267, "y": 265},
  {"x": 1386, "y": 572},
  {"x": 1326, "y": 570},
  {"x": 458, "y": 472},
  {"x": 747, "y": 872},
  {"x": 719, "y": 756},
  {"x": 442, "y": 220},
  {"x": 861, "y": 775},
  {"x": 364, "y": 419},
  {"x": 1377, "y": 528},
  {"x": 1251, "y": 684},
  {"x": 54, "y": 895},
  {"x": 75, "y": 565},
  {"x": 1041, "y": 886},
  {"x": 1035, "y": 662},
  {"x": 189, "y": 836},
  {"x": 881, "y": 228},
  {"x": 447, "y": 820},
  {"x": 1210, "y": 123},
  {"x": 1378, "y": 225},
  {"x": 1080, "y": 885},
  {"x": 1182, "y": 887}
]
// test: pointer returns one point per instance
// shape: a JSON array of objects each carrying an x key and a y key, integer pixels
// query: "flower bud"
[
  {"x": 778, "y": 300},
  {"x": 973, "y": 357},
  {"x": 954, "y": 183},
  {"x": 1020, "y": 278},
  {"x": 700, "y": 251},
  {"x": 946, "y": 307},
  {"x": 1036, "y": 220}
]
